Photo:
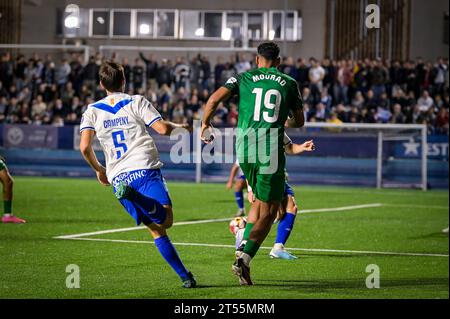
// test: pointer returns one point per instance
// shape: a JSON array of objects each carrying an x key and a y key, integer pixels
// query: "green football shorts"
[{"x": 266, "y": 187}]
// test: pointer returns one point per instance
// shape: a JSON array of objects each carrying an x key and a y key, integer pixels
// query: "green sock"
[
  {"x": 7, "y": 204},
  {"x": 248, "y": 229},
  {"x": 251, "y": 248}
]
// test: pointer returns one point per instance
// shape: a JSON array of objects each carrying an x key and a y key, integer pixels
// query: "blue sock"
[
  {"x": 239, "y": 199},
  {"x": 169, "y": 253},
  {"x": 284, "y": 228}
]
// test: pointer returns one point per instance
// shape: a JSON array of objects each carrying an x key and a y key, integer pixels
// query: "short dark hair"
[
  {"x": 269, "y": 51},
  {"x": 112, "y": 76}
]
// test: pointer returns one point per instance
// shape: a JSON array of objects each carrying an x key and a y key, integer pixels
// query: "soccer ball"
[{"x": 237, "y": 223}]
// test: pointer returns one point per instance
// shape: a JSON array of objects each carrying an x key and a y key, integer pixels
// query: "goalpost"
[{"x": 386, "y": 135}]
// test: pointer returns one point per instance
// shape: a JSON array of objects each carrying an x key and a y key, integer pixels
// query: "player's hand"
[
  {"x": 187, "y": 127},
  {"x": 206, "y": 134},
  {"x": 251, "y": 197},
  {"x": 309, "y": 146},
  {"x": 229, "y": 185},
  {"x": 101, "y": 176}
]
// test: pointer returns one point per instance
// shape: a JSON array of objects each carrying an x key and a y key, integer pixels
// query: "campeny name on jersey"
[{"x": 116, "y": 122}]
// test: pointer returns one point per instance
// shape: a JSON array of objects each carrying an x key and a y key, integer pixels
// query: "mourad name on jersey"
[
  {"x": 271, "y": 77},
  {"x": 116, "y": 122}
]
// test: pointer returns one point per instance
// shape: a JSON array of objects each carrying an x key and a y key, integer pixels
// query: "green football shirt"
[{"x": 266, "y": 97}]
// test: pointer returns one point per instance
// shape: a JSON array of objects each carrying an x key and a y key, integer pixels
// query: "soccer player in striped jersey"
[{"x": 120, "y": 122}]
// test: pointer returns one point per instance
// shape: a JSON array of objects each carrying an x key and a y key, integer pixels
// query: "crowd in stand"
[{"x": 41, "y": 91}]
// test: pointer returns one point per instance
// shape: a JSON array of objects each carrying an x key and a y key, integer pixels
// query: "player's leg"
[
  {"x": 285, "y": 226},
  {"x": 8, "y": 185},
  {"x": 269, "y": 190},
  {"x": 168, "y": 251},
  {"x": 243, "y": 235},
  {"x": 266, "y": 212},
  {"x": 148, "y": 201},
  {"x": 239, "y": 187}
]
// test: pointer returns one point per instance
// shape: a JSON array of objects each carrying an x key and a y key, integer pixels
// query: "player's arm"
[
  {"x": 298, "y": 116},
  {"x": 250, "y": 195},
  {"x": 143, "y": 58},
  {"x": 166, "y": 128},
  {"x": 296, "y": 149},
  {"x": 87, "y": 137},
  {"x": 151, "y": 118},
  {"x": 233, "y": 172},
  {"x": 220, "y": 95}
]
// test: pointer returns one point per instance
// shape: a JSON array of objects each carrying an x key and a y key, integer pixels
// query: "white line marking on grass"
[
  {"x": 194, "y": 222},
  {"x": 119, "y": 230},
  {"x": 417, "y": 206},
  {"x": 339, "y": 209},
  {"x": 269, "y": 248}
]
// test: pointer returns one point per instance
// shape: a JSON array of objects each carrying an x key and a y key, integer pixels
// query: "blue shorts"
[
  {"x": 288, "y": 191},
  {"x": 151, "y": 184},
  {"x": 242, "y": 177}
]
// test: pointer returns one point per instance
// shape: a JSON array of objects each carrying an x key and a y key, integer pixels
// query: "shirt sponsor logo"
[{"x": 129, "y": 177}]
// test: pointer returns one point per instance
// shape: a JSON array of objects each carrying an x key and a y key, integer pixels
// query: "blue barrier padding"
[{"x": 340, "y": 159}]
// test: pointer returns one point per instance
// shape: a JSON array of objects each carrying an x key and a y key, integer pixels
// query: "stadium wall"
[
  {"x": 44, "y": 14},
  {"x": 427, "y": 29}
]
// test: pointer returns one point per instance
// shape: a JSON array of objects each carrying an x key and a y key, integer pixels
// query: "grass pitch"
[{"x": 334, "y": 247}]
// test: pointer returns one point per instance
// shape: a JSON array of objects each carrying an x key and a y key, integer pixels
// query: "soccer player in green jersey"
[{"x": 267, "y": 97}]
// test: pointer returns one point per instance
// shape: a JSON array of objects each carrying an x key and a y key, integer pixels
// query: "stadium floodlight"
[
  {"x": 200, "y": 32},
  {"x": 226, "y": 34},
  {"x": 72, "y": 20},
  {"x": 144, "y": 29},
  {"x": 271, "y": 35}
]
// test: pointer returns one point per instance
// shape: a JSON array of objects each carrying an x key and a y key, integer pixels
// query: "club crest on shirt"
[{"x": 231, "y": 81}]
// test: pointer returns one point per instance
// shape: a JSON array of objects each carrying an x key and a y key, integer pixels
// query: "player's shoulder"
[
  {"x": 252, "y": 72},
  {"x": 137, "y": 97},
  {"x": 140, "y": 101},
  {"x": 290, "y": 80},
  {"x": 113, "y": 100}
]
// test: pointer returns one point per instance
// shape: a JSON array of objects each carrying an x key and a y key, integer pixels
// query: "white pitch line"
[
  {"x": 417, "y": 206},
  {"x": 194, "y": 222},
  {"x": 339, "y": 209},
  {"x": 119, "y": 230},
  {"x": 269, "y": 248}
]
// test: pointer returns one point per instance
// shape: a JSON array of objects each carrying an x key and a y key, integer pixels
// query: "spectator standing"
[
  {"x": 90, "y": 74},
  {"x": 181, "y": 74},
  {"x": 316, "y": 76},
  {"x": 138, "y": 75},
  {"x": 218, "y": 69},
  {"x": 151, "y": 70}
]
